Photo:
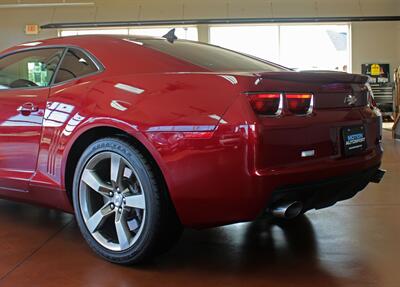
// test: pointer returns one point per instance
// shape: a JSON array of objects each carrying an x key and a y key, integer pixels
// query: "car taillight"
[
  {"x": 371, "y": 100},
  {"x": 300, "y": 103},
  {"x": 268, "y": 104}
]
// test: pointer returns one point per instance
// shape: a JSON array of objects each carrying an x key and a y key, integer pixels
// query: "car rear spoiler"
[{"x": 315, "y": 76}]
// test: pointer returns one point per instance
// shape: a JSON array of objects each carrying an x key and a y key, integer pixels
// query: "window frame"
[{"x": 100, "y": 67}]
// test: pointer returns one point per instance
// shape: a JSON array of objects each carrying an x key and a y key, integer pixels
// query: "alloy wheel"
[{"x": 112, "y": 201}]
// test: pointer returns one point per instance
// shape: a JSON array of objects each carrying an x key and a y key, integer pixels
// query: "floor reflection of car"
[{"x": 140, "y": 137}]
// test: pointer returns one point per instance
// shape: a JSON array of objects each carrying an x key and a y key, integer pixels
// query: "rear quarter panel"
[{"x": 201, "y": 174}]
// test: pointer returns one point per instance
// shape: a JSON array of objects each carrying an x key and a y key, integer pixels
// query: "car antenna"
[{"x": 170, "y": 36}]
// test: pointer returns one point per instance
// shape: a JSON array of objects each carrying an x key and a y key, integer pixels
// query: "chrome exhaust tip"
[{"x": 287, "y": 210}]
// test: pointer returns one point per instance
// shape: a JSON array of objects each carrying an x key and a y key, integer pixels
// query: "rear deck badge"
[{"x": 350, "y": 100}]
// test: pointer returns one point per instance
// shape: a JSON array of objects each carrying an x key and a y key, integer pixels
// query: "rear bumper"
[
  {"x": 220, "y": 180},
  {"x": 325, "y": 193},
  {"x": 223, "y": 186}
]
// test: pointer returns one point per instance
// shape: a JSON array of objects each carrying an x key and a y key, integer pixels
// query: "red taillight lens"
[
  {"x": 300, "y": 104},
  {"x": 268, "y": 104},
  {"x": 371, "y": 101}
]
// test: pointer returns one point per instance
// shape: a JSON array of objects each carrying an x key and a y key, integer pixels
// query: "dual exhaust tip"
[
  {"x": 292, "y": 209},
  {"x": 288, "y": 210}
]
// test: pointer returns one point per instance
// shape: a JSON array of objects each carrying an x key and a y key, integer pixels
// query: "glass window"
[
  {"x": 185, "y": 33},
  {"x": 210, "y": 57},
  {"x": 315, "y": 47},
  {"x": 33, "y": 68},
  {"x": 74, "y": 65},
  {"x": 261, "y": 41},
  {"x": 66, "y": 33},
  {"x": 301, "y": 47}
]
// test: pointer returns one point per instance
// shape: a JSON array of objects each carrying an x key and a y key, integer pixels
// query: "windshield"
[{"x": 213, "y": 58}]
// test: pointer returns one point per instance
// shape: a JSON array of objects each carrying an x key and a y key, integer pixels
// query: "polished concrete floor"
[{"x": 355, "y": 243}]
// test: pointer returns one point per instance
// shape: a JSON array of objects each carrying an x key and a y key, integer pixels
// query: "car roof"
[
  {"x": 82, "y": 41},
  {"x": 122, "y": 36},
  {"x": 119, "y": 54},
  {"x": 91, "y": 43}
]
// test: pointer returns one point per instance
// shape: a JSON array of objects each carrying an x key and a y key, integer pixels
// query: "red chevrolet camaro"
[{"x": 142, "y": 136}]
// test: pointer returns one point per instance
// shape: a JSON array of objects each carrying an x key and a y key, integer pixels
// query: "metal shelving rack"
[{"x": 384, "y": 97}]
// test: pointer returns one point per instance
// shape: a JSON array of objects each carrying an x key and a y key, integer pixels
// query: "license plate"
[{"x": 354, "y": 140}]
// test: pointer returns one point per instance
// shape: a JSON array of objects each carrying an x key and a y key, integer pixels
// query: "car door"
[{"x": 25, "y": 78}]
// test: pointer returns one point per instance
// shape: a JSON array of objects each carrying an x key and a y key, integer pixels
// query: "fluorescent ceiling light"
[{"x": 46, "y": 5}]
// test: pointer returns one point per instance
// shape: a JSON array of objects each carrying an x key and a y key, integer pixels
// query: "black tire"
[{"x": 161, "y": 228}]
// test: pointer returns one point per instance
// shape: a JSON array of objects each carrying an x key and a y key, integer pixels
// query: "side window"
[
  {"x": 74, "y": 65},
  {"x": 34, "y": 68}
]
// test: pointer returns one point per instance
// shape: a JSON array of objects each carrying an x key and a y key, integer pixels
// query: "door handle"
[{"x": 28, "y": 108}]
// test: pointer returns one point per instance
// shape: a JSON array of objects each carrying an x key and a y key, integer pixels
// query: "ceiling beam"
[
  {"x": 220, "y": 21},
  {"x": 46, "y": 5}
]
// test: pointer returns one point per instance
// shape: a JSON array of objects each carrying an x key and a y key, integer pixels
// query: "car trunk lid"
[
  {"x": 340, "y": 102},
  {"x": 330, "y": 89}
]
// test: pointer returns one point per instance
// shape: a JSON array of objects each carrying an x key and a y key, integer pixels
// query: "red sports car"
[{"x": 142, "y": 136}]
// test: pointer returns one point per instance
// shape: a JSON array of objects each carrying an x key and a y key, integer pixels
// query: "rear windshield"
[{"x": 210, "y": 57}]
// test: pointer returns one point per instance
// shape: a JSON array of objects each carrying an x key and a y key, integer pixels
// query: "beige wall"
[
  {"x": 371, "y": 42},
  {"x": 375, "y": 42}
]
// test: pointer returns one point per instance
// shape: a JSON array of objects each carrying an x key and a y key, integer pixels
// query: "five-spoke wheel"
[
  {"x": 112, "y": 201},
  {"x": 122, "y": 210}
]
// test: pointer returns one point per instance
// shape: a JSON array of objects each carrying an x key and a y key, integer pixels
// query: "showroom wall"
[
  {"x": 371, "y": 41},
  {"x": 375, "y": 42}
]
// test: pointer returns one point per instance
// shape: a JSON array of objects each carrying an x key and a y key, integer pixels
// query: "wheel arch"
[{"x": 89, "y": 135}]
